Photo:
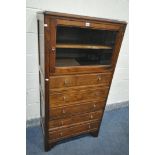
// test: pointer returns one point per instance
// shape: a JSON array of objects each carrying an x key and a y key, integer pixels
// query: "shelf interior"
[{"x": 77, "y": 46}]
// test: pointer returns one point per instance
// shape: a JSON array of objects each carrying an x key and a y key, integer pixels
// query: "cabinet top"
[{"x": 58, "y": 14}]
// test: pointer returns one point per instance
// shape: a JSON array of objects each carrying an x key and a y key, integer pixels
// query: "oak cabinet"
[{"x": 77, "y": 59}]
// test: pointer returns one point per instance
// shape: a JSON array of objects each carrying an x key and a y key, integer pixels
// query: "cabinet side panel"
[
  {"x": 43, "y": 74},
  {"x": 41, "y": 44},
  {"x": 47, "y": 45},
  {"x": 41, "y": 64},
  {"x": 119, "y": 39},
  {"x": 41, "y": 61}
]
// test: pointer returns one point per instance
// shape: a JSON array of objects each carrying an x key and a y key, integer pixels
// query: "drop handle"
[
  {"x": 89, "y": 126},
  {"x": 64, "y": 97},
  {"x": 65, "y": 82},
  {"x": 60, "y": 133},
  {"x": 91, "y": 116},
  {"x": 94, "y": 105},
  {"x": 63, "y": 111},
  {"x": 62, "y": 123},
  {"x": 99, "y": 78}
]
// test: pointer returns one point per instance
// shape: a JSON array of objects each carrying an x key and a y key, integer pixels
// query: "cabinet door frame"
[
  {"x": 52, "y": 45},
  {"x": 120, "y": 28}
]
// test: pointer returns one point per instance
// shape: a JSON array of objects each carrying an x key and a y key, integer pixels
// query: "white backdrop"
[{"x": 112, "y": 9}]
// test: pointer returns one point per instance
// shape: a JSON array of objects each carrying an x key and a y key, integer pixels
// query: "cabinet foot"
[
  {"x": 94, "y": 133},
  {"x": 46, "y": 148},
  {"x": 49, "y": 146}
]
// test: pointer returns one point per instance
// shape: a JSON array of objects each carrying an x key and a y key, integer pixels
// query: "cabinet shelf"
[{"x": 83, "y": 46}]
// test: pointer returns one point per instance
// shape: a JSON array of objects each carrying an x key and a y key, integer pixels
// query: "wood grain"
[
  {"x": 79, "y": 80},
  {"x": 77, "y": 95},
  {"x": 52, "y": 47},
  {"x": 70, "y": 121},
  {"x": 79, "y": 17},
  {"x": 75, "y": 109},
  {"x": 72, "y": 131},
  {"x": 92, "y": 24},
  {"x": 82, "y": 46},
  {"x": 82, "y": 69}
]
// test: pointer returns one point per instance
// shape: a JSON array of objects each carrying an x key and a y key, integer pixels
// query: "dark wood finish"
[
  {"x": 73, "y": 98},
  {"x": 75, "y": 109},
  {"x": 52, "y": 43},
  {"x": 91, "y": 24},
  {"x": 76, "y": 119},
  {"x": 79, "y": 17},
  {"x": 66, "y": 97},
  {"x": 95, "y": 133},
  {"x": 118, "y": 45},
  {"x": 82, "y": 69},
  {"x": 79, "y": 80},
  {"x": 72, "y": 131}
]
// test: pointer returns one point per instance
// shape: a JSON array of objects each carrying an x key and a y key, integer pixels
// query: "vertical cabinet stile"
[
  {"x": 52, "y": 45},
  {"x": 46, "y": 76}
]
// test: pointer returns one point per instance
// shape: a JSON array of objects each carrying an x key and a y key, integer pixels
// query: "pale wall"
[{"x": 113, "y": 9}]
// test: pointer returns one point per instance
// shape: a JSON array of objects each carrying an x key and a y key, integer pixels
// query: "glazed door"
[{"x": 82, "y": 46}]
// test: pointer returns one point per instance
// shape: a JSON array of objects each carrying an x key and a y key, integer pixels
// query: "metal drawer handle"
[
  {"x": 63, "y": 111},
  {"x": 64, "y": 98},
  {"x": 94, "y": 105},
  {"x": 99, "y": 78},
  {"x": 91, "y": 116},
  {"x": 60, "y": 133},
  {"x": 62, "y": 123},
  {"x": 89, "y": 126},
  {"x": 66, "y": 82}
]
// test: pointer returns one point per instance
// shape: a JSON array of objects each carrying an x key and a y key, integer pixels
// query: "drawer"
[
  {"x": 73, "y": 131},
  {"x": 69, "y": 96},
  {"x": 79, "y": 80},
  {"x": 62, "y": 112},
  {"x": 55, "y": 124}
]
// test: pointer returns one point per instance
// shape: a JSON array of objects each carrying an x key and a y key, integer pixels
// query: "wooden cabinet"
[{"x": 77, "y": 59}]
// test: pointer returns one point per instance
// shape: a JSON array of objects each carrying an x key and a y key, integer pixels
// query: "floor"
[{"x": 113, "y": 138}]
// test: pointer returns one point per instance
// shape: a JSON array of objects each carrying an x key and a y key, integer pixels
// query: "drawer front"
[
  {"x": 66, "y": 97},
  {"x": 66, "y": 111},
  {"x": 79, "y": 80},
  {"x": 72, "y": 131},
  {"x": 55, "y": 124}
]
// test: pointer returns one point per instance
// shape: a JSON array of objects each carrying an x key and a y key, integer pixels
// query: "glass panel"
[{"x": 80, "y": 46}]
